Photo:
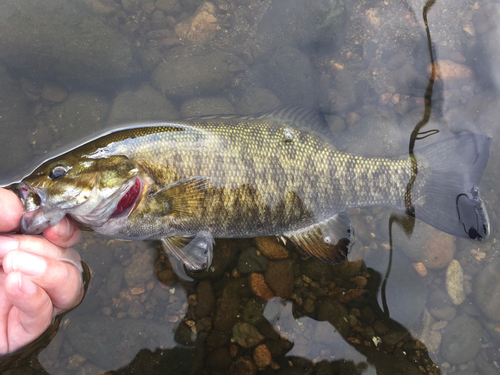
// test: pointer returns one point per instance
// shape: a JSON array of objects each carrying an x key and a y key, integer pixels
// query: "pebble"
[
  {"x": 262, "y": 356},
  {"x": 140, "y": 270},
  {"x": 449, "y": 72},
  {"x": 270, "y": 248},
  {"x": 454, "y": 282},
  {"x": 201, "y": 26},
  {"x": 461, "y": 340},
  {"x": 259, "y": 286},
  {"x": 136, "y": 310},
  {"x": 246, "y": 335},
  {"x": 250, "y": 261},
  {"x": 279, "y": 277},
  {"x": 243, "y": 366},
  {"x": 420, "y": 268},
  {"x": 205, "y": 301},
  {"x": 75, "y": 361},
  {"x": 487, "y": 290}
]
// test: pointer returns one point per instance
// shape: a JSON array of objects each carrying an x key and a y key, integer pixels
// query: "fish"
[{"x": 276, "y": 173}]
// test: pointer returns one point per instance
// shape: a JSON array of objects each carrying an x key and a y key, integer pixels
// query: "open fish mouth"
[{"x": 39, "y": 213}]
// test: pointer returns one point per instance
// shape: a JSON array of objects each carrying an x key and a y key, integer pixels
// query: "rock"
[
  {"x": 193, "y": 75},
  {"x": 228, "y": 306},
  {"x": 487, "y": 290},
  {"x": 336, "y": 314},
  {"x": 450, "y": 72},
  {"x": 84, "y": 49},
  {"x": 279, "y": 277},
  {"x": 140, "y": 270},
  {"x": 262, "y": 356},
  {"x": 167, "y": 5},
  {"x": 246, "y": 335},
  {"x": 150, "y": 58},
  {"x": 145, "y": 104},
  {"x": 53, "y": 93},
  {"x": 255, "y": 100},
  {"x": 243, "y": 366},
  {"x": 105, "y": 7},
  {"x": 114, "y": 280},
  {"x": 14, "y": 118},
  {"x": 461, "y": 340},
  {"x": 206, "y": 106},
  {"x": 316, "y": 270},
  {"x": 433, "y": 248},
  {"x": 201, "y": 26},
  {"x": 455, "y": 282},
  {"x": 439, "y": 306},
  {"x": 249, "y": 261},
  {"x": 219, "y": 358},
  {"x": 290, "y": 76},
  {"x": 136, "y": 310},
  {"x": 81, "y": 114},
  {"x": 206, "y": 300},
  {"x": 253, "y": 311},
  {"x": 98, "y": 257},
  {"x": 259, "y": 286},
  {"x": 270, "y": 248},
  {"x": 224, "y": 252}
]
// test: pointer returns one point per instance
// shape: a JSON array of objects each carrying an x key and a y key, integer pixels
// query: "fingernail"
[
  {"x": 25, "y": 284},
  {"x": 8, "y": 244},
  {"x": 63, "y": 228},
  {"x": 27, "y": 263}
]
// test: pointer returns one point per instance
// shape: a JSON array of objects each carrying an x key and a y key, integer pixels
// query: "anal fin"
[
  {"x": 195, "y": 252},
  {"x": 328, "y": 241}
]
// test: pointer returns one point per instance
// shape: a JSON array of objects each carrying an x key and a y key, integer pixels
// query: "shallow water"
[{"x": 71, "y": 68}]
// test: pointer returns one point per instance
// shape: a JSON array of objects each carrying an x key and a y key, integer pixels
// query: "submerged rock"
[
  {"x": 487, "y": 290},
  {"x": 461, "y": 340}
]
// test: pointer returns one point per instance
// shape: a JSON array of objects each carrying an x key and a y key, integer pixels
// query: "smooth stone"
[
  {"x": 144, "y": 105},
  {"x": 228, "y": 306},
  {"x": 205, "y": 106},
  {"x": 193, "y": 75},
  {"x": 271, "y": 248},
  {"x": 255, "y": 100},
  {"x": 487, "y": 290},
  {"x": 253, "y": 312},
  {"x": 249, "y": 261},
  {"x": 461, "y": 340},
  {"x": 84, "y": 49},
  {"x": 206, "y": 300},
  {"x": 140, "y": 270},
  {"x": 246, "y": 335},
  {"x": 114, "y": 280},
  {"x": 455, "y": 282},
  {"x": 53, "y": 93},
  {"x": 279, "y": 277},
  {"x": 336, "y": 314}
]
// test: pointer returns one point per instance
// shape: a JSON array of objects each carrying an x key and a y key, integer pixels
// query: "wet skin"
[{"x": 34, "y": 285}]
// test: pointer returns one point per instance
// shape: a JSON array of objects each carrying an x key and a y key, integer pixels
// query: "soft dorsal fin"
[
  {"x": 328, "y": 241},
  {"x": 299, "y": 117}
]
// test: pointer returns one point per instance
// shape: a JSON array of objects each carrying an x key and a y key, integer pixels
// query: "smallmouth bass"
[{"x": 188, "y": 182}]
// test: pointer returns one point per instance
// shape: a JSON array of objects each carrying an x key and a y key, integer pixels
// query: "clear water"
[{"x": 71, "y": 68}]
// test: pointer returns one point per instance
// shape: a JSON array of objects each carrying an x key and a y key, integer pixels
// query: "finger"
[
  {"x": 11, "y": 211},
  {"x": 61, "y": 281},
  {"x": 32, "y": 310},
  {"x": 38, "y": 245},
  {"x": 65, "y": 234}
]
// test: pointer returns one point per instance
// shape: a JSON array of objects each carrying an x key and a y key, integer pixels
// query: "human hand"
[{"x": 40, "y": 277}]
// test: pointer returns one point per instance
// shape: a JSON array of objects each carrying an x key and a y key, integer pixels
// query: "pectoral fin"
[
  {"x": 328, "y": 241},
  {"x": 196, "y": 252}
]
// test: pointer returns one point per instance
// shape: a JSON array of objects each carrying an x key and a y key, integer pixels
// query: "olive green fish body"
[{"x": 187, "y": 182}]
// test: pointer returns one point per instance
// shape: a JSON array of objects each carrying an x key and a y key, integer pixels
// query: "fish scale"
[{"x": 275, "y": 173}]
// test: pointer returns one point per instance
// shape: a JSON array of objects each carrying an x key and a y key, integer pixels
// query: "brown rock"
[
  {"x": 450, "y": 72},
  {"x": 270, "y": 248},
  {"x": 259, "y": 286},
  {"x": 205, "y": 301},
  {"x": 201, "y": 26},
  {"x": 262, "y": 356},
  {"x": 279, "y": 277},
  {"x": 243, "y": 366},
  {"x": 53, "y": 93},
  {"x": 438, "y": 250}
]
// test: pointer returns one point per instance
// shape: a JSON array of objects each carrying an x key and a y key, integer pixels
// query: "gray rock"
[
  {"x": 246, "y": 335},
  {"x": 193, "y": 75},
  {"x": 143, "y": 105},
  {"x": 440, "y": 306},
  {"x": 336, "y": 314},
  {"x": 299, "y": 22},
  {"x": 487, "y": 290},
  {"x": 249, "y": 261},
  {"x": 14, "y": 121},
  {"x": 140, "y": 270},
  {"x": 253, "y": 312},
  {"x": 255, "y": 100},
  {"x": 114, "y": 280},
  {"x": 111, "y": 343},
  {"x": 206, "y": 106},
  {"x": 136, "y": 310},
  {"x": 81, "y": 114},
  {"x": 291, "y": 77},
  {"x": 461, "y": 340},
  {"x": 63, "y": 41}
]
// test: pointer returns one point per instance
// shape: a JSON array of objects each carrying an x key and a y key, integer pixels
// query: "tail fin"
[{"x": 451, "y": 172}]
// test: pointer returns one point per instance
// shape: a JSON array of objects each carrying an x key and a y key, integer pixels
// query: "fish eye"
[{"x": 58, "y": 172}]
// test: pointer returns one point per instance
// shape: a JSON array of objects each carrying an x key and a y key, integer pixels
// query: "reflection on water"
[{"x": 69, "y": 68}]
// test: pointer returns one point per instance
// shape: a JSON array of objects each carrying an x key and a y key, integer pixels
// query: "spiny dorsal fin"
[{"x": 328, "y": 241}]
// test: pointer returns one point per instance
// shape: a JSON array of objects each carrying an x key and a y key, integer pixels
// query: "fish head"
[{"x": 87, "y": 188}]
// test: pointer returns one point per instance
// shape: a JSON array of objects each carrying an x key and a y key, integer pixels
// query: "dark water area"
[{"x": 389, "y": 77}]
